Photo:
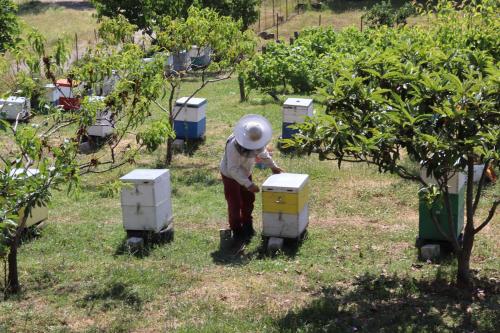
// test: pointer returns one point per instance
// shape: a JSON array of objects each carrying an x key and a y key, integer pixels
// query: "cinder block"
[
  {"x": 430, "y": 252},
  {"x": 274, "y": 244},
  {"x": 135, "y": 243}
]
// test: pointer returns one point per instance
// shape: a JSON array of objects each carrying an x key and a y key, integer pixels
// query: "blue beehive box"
[
  {"x": 190, "y": 120},
  {"x": 295, "y": 110}
]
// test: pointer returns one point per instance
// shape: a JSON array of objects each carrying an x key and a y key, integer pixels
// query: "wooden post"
[
  {"x": 264, "y": 49},
  {"x": 286, "y": 10},
  {"x": 292, "y": 40},
  {"x": 361, "y": 23},
  {"x": 273, "y": 14},
  {"x": 277, "y": 27},
  {"x": 260, "y": 12},
  {"x": 241, "y": 82},
  {"x": 76, "y": 45},
  {"x": 320, "y": 20}
]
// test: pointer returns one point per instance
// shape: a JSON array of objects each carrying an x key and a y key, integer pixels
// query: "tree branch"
[{"x": 489, "y": 218}]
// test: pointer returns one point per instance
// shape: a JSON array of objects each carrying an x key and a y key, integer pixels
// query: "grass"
[{"x": 357, "y": 270}]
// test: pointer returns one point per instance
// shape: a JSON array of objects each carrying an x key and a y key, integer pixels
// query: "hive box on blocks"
[
  {"x": 38, "y": 213},
  {"x": 190, "y": 121},
  {"x": 181, "y": 61},
  {"x": 104, "y": 124},
  {"x": 427, "y": 229},
  {"x": 295, "y": 110},
  {"x": 146, "y": 200},
  {"x": 14, "y": 108},
  {"x": 200, "y": 57},
  {"x": 66, "y": 98},
  {"x": 285, "y": 208},
  {"x": 51, "y": 94}
]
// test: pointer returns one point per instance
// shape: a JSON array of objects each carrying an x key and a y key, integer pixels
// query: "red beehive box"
[{"x": 67, "y": 100}]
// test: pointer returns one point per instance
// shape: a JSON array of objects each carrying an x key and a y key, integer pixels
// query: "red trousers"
[{"x": 239, "y": 203}]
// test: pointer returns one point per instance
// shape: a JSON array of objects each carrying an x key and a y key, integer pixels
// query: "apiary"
[
  {"x": 38, "y": 213},
  {"x": 456, "y": 189},
  {"x": 14, "y": 108},
  {"x": 285, "y": 208},
  {"x": 51, "y": 94},
  {"x": 190, "y": 120},
  {"x": 146, "y": 200},
  {"x": 295, "y": 110}
]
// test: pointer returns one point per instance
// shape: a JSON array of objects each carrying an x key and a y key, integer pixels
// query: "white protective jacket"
[{"x": 239, "y": 167}]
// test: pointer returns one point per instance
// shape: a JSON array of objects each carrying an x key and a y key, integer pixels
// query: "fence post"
[
  {"x": 320, "y": 20},
  {"x": 76, "y": 45},
  {"x": 260, "y": 11},
  {"x": 286, "y": 10},
  {"x": 241, "y": 82},
  {"x": 277, "y": 27},
  {"x": 273, "y": 14},
  {"x": 292, "y": 40},
  {"x": 264, "y": 49}
]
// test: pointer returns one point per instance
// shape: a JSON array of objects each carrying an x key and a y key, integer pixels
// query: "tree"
[
  {"x": 145, "y": 14},
  {"x": 228, "y": 45},
  {"x": 9, "y": 25},
  {"x": 47, "y": 146},
  {"x": 429, "y": 97}
]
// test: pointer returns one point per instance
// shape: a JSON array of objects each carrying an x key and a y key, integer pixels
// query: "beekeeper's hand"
[
  {"x": 254, "y": 188},
  {"x": 277, "y": 170}
]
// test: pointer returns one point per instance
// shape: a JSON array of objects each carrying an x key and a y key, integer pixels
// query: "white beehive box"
[
  {"x": 52, "y": 94},
  {"x": 194, "y": 111},
  {"x": 455, "y": 184},
  {"x": 38, "y": 213},
  {"x": 146, "y": 200},
  {"x": 285, "y": 208},
  {"x": 14, "y": 108},
  {"x": 296, "y": 109},
  {"x": 103, "y": 126}
]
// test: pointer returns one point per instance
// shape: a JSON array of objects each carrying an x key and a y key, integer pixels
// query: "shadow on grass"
[
  {"x": 398, "y": 304},
  {"x": 230, "y": 257},
  {"x": 111, "y": 295},
  {"x": 151, "y": 241},
  {"x": 37, "y": 7},
  {"x": 189, "y": 146}
]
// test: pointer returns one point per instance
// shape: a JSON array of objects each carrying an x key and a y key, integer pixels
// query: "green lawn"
[{"x": 357, "y": 271}]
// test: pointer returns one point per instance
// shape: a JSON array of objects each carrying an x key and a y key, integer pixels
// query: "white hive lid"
[
  {"x": 15, "y": 99},
  {"x": 285, "y": 182},
  {"x": 96, "y": 98},
  {"x": 50, "y": 86},
  {"x": 298, "y": 102},
  {"x": 30, "y": 172},
  {"x": 141, "y": 175},
  {"x": 197, "y": 102}
]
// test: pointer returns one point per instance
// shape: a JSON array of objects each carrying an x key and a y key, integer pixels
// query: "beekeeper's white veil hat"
[{"x": 253, "y": 132}]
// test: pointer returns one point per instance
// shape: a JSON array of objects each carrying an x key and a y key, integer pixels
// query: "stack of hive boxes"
[
  {"x": 295, "y": 110},
  {"x": 104, "y": 124},
  {"x": 14, "y": 108},
  {"x": 456, "y": 190},
  {"x": 38, "y": 213},
  {"x": 190, "y": 120},
  {"x": 285, "y": 208},
  {"x": 146, "y": 200},
  {"x": 67, "y": 98}
]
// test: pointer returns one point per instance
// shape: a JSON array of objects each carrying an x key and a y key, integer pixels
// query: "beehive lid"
[
  {"x": 15, "y": 99},
  {"x": 16, "y": 172},
  {"x": 65, "y": 83},
  {"x": 298, "y": 102},
  {"x": 142, "y": 175},
  {"x": 193, "y": 102},
  {"x": 96, "y": 98},
  {"x": 50, "y": 86},
  {"x": 289, "y": 182}
]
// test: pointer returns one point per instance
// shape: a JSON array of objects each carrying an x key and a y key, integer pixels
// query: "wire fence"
[{"x": 273, "y": 12}]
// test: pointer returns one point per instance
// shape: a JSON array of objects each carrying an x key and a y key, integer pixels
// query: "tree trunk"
[
  {"x": 170, "y": 151},
  {"x": 241, "y": 82},
  {"x": 13, "y": 286},
  {"x": 463, "y": 257}
]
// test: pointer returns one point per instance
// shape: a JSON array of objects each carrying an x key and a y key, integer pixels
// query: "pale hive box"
[
  {"x": 295, "y": 110},
  {"x": 51, "y": 93},
  {"x": 14, "y": 108},
  {"x": 285, "y": 208},
  {"x": 38, "y": 213},
  {"x": 104, "y": 124},
  {"x": 190, "y": 120},
  {"x": 146, "y": 200}
]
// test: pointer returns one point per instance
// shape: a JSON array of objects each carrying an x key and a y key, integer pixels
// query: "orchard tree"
[
  {"x": 426, "y": 96},
  {"x": 46, "y": 145},
  {"x": 229, "y": 48},
  {"x": 9, "y": 25}
]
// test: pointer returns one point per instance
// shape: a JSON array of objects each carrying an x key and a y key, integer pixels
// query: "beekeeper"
[{"x": 249, "y": 140}]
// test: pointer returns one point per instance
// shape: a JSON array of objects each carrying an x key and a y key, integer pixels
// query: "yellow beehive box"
[{"x": 285, "y": 193}]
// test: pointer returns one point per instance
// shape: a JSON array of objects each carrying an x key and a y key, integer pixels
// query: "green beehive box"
[{"x": 427, "y": 229}]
